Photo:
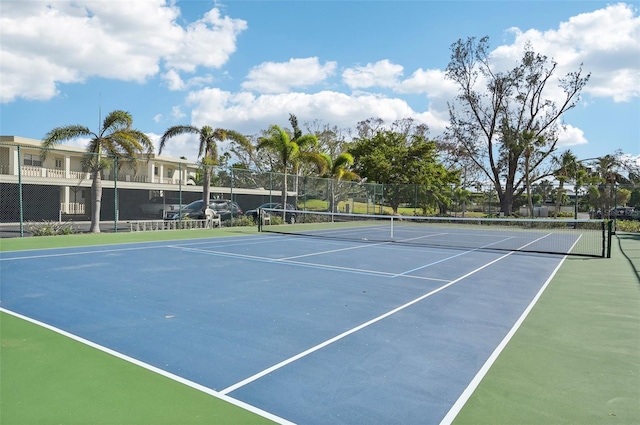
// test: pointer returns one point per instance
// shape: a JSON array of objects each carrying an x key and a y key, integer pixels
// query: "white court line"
[
  {"x": 355, "y": 247},
  {"x": 160, "y": 244},
  {"x": 332, "y": 251},
  {"x": 353, "y": 330},
  {"x": 154, "y": 369},
  {"x": 305, "y": 264},
  {"x": 449, "y": 258},
  {"x": 67, "y": 254}
]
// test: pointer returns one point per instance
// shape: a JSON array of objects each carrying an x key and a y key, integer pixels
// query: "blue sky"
[{"x": 247, "y": 64}]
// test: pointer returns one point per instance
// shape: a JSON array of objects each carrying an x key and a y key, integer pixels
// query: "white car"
[{"x": 158, "y": 206}]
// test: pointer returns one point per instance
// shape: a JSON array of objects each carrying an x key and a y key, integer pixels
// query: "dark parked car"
[
  {"x": 290, "y": 215},
  {"x": 620, "y": 213},
  {"x": 195, "y": 210}
]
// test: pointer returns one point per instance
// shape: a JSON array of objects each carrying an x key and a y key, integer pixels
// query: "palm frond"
[
  {"x": 175, "y": 131},
  {"x": 61, "y": 134},
  {"x": 317, "y": 159},
  {"x": 115, "y": 121},
  {"x": 343, "y": 160},
  {"x": 307, "y": 141}
]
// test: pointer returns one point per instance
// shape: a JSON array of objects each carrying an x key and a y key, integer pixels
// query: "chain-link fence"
[{"x": 59, "y": 187}]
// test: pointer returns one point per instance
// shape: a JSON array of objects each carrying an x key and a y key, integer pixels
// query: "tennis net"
[{"x": 555, "y": 236}]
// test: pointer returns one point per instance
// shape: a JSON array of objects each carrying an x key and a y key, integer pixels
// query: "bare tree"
[{"x": 505, "y": 120}]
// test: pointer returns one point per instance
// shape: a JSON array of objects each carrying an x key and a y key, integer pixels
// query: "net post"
[
  {"x": 260, "y": 217},
  {"x": 391, "y": 227}
]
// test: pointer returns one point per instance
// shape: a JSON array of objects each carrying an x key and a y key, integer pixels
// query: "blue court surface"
[{"x": 308, "y": 330}]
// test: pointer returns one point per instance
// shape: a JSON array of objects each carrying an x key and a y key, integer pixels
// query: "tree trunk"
[
  {"x": 559, "y": 195},
  {"x": 96, "y": 201},
  {"x": 284, "y": 197},
  {"x": 527, "y": 172},
  {"x": 206, "y": 185},
  {"x": 506, "y": 201}
]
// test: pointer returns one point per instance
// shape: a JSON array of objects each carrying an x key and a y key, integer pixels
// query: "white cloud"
[
  {"x": 177, "y": 113},
  {"x": 246, "y": 112},
  {"x": 280, "y": 77},
  {"x": 48, "y": 43},
  {"x": 208, "y": 42},
  {"x": 181, "y": 145},
  {"x": 173, "y": 80},
  {"x": 380, "y": 74},
  {"x": 606, "y": 42},
  {"x": 157, "y": 118},
  {"x": 571, "y": 136}
]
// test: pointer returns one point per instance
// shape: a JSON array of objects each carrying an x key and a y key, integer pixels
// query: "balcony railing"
[
  {"x": 72, "y": 208},
  {"x": 35, "y": 171}
]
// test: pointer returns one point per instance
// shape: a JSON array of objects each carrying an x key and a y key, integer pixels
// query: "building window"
[
  {"x": 155, "y": 171},
  {"x": 58, "y": 162},
  {"x": 169, "y": 172},
  {"x": 34, "y": 160}
]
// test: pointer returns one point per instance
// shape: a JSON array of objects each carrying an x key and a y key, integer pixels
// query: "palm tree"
[
  {"x": 208, "y": 149},
  {"x": 290, "y": 152},
  {"x": 338, "y": 170},
  {"x": 607, "y": 170},
  {"x": 115, "y": 139},
  {"x": 567, "y": 170}
]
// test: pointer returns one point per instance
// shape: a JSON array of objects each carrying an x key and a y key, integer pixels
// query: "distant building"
[{"x": 58, "y": 188}]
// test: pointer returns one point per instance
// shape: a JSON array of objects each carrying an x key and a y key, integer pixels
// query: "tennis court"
[{"x": 296, "y": 329}]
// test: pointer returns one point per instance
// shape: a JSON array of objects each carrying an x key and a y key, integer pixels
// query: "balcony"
[{"x": 74, "y": 176}]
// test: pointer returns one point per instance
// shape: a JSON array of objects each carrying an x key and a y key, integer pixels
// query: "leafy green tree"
[
  {"x": 609, "y": 172},
  {"x": 623, "y": 195},
  {"x": 634, "y": 199},
  {"x": 399, "y": 156},
  {"x": 208, "y": 148},
  {"x": 506, "y": 120},
  {"x": 116, "y": 138}
]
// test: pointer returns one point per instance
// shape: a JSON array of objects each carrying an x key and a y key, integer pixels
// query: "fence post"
[
  {"x": 609, "y": 233},
  {"x": 115, "y": 194},
  {"x": 179, "y": 189},
  {"x": 20, "y": 192},
  {"x": 231, "y": 196}
]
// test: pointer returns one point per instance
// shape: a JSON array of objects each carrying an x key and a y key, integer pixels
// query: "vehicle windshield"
[
  {"x": 219, "y": 205},
  {"x": 194, "y": 206}
]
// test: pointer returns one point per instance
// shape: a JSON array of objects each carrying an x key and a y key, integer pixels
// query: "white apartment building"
[{"x": 56, "y": 186}]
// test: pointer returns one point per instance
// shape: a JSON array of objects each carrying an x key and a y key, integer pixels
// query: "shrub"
[
  {"x": 240, "y": 221},
  {"x": 632, "y": 226},
  {"x": 50, "y": 228}
]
